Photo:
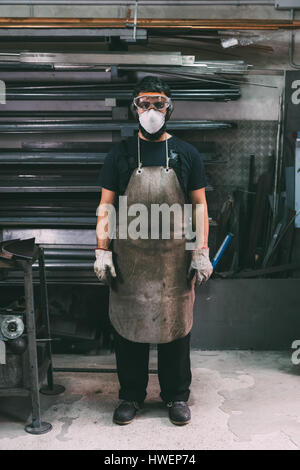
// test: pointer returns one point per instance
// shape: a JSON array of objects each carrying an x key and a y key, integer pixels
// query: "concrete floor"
[{"x": 239, "y": 400}]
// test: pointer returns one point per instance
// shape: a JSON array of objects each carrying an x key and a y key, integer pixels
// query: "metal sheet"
[
  {"x": 160, "y": 58},
  {"x": 84, "y": 34},
  {"x": 53, "y": 236},
  {"x": 287, "y": 4}
]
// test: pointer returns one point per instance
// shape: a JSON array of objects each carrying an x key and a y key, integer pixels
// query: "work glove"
[
  {"x": 201, "y": 264},
  {"x": 104, "y": 266}
]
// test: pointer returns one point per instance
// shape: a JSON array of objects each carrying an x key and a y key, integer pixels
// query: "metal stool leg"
[
  {"x": 37, "y": 426},
  {"x": 50, "y": 388}
]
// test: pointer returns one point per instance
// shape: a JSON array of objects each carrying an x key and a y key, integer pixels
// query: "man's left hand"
[{"x": 201, "y": 264}]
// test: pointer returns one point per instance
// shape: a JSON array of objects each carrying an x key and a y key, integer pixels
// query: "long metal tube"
[
  {"x": 53, "y": 126},
  {"x": 193, "y": 95},
  {"x": 57, "y": 158},
  {"x": 292, "y": 46},
  {"x": 140, "y": 2},
  {"x": 30, "y": 323},
  {"x": 275, "y": 188},
  {"x": 58, "y": 22},
  {"x": 149, "y": 23}
]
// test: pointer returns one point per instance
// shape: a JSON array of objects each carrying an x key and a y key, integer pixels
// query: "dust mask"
[{"x": 152, "y": 120}]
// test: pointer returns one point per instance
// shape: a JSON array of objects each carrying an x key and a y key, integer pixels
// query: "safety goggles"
[{"x": 158, "y": 101}]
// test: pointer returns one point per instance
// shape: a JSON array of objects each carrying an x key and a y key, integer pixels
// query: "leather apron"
[{"x": 151, "y": 300}]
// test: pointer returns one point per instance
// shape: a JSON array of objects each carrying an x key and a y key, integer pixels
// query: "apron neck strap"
[
  {"x": 139, "y": 154},
  {"x": 167, "y": 156}
]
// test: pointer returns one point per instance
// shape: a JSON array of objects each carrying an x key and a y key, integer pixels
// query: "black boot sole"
[
  {"x": 180, "y": 423},
  {"x": 123, "y": 422}
]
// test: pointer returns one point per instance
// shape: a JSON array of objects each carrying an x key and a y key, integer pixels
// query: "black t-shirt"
[{"x": 154, "y": 154}]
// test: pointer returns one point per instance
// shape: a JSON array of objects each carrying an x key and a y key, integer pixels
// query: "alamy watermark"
[
  {"x": 296, "y": 354},
  {"x": 161, "y": 221},
  {"x": 2, "y": 92}
]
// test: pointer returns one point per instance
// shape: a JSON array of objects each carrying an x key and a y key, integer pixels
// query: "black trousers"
[{"x": 174, "y": 369}]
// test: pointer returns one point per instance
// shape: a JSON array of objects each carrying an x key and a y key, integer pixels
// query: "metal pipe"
[
  {"x": 71, "y": 265},
  {"x": 45, "y": 312},
  {"x": 140, "y": 2},
  {"x": 210, "y": 93},
  {"x": 292, "y": 45},
  {"x": 149, "y": 23},
  {"x": 275, "y": 188},
  {"x": 52, "y": 126},
  {"x": 37, "y": 426},
  {"x": 56, "y": 158},
  {"x": 69, "y": 254},
  {"x": 55, "y": 114}
]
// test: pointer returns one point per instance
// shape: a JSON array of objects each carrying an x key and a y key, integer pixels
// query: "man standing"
[{"x": 152, "y": 279}]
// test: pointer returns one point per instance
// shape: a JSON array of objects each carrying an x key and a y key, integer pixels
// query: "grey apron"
[{"x": 151, "y": 300}]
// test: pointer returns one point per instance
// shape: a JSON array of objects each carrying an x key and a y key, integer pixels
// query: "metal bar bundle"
[
  {"x": 196, "y": 88},
  {"x": 212, "y": 93}
]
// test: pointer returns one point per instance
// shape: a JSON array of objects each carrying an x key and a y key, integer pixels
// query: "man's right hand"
[{"x": 104, "y": 266}]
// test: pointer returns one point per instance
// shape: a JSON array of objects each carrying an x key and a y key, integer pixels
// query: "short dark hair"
[{"x": 152, "y": 84}]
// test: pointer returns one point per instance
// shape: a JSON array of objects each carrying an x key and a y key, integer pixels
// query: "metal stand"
[
  {"x": 50, "y": 388},
  {"x": 37, "y": 426},
  {"x": 31, "y": 371}
]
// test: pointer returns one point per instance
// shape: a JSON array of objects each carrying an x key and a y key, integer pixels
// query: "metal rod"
[
  {"x": 70, "y": 265},
  {"x": 194, "y": 95},
  {"x": 135, "y": 19},
  {"x": 58, "y": 281},
  {"x": 292, "y": 45},
  {"x": 150, "y": 23},
  {"x": 51, "y": 158},
  {"x": 45, "y": 310},
  {"x": 49, "y": 189},
  {"x": 275, "y": 188},
  {"x": 32, "y": 352},
  {"x": 69, "y": 253},
  {"x": 52, "y": 126},
  {"x": 56, "y": 114},
  {"x": 141, "y": 2}
]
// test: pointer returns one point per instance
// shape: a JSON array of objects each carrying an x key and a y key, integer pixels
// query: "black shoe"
[
  {"x": 125, "y": 412},
  {"x": 179, "y": 412}
]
